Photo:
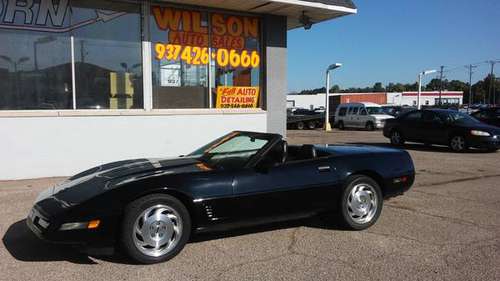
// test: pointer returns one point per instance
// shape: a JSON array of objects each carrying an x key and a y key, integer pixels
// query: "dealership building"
[
  {"x": 85, "y": 82},
  {"x": 427, "y": 98}
]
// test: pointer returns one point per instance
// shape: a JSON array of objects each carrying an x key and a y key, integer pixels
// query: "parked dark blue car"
[{"x": 442, "y": 126}]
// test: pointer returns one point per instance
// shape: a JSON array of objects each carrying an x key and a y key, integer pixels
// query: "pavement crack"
[
  {"x": 392, "y": 235},
  {"x": 450, "y": 219},
  {"x": 239, "y": 265},
  {"x": 450, "y": 196},
  {"x": 460, "y": 180},
  {"x": 293, "y": 241}
]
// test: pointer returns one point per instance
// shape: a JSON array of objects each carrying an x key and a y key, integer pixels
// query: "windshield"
[
  {"x": 458, "y": 117},
  {"x": 231, "y": 151},
  {"x": 375, "y": 110}
]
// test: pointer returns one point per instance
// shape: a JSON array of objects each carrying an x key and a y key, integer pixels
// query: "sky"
[{"x": 394, "y": 40}]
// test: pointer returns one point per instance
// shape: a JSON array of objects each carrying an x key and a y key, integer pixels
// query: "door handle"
[{"x": 324, "y": 168}]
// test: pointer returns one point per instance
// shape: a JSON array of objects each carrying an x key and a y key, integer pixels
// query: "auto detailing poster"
[{"x": 237, "y": 97}]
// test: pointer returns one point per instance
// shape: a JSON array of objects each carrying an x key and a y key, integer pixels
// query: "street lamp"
[
  {"x": 42, "y": 40},
  {"x": 328, "y": 127},
  {"x": 423, "y": 73},
  {"x": 15, "y": 63}
]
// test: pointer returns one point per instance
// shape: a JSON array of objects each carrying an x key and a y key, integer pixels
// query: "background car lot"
[{"x": 446, "y": 228}]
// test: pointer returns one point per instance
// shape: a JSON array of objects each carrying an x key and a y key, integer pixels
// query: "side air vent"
[{"x": 210, "y": 212}]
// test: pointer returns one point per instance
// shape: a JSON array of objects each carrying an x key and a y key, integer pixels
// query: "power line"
[
  {"x": 455, "y": 68},
  {"x": 491, "y": 89}
]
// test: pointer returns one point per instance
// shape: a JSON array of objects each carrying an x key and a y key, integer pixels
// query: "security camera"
[{"x": 305, "y": 21}]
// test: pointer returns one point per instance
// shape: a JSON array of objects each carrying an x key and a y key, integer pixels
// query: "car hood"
[{"x": 97, "y": 180}]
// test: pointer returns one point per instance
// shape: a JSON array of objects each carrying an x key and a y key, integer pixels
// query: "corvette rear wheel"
[
  {"x": 362, "y": 202},
  {"x": 155, "y": 228}
]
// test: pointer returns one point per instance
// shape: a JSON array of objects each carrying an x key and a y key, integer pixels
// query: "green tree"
[
  {"x": 398, "y": 87},
  {"x": 378, "y": 87},
  {"x": 335, "y": 89},
  {"x": 411, "y": 87},
  {"x": 435, "y": 84}
]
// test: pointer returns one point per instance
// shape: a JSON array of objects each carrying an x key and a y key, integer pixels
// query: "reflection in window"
[
  {"x": 240, "y": 35},
  {"x": 35, "y": 55},
  {"x": 108, "y": 55},
  {"x": 180, "y": 45},
  {"x": 35, "y": 66},
  {"x": 184, "y": 45}
]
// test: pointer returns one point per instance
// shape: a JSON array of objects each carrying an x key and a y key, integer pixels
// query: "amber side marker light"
[{"x": 93, "y": 224}]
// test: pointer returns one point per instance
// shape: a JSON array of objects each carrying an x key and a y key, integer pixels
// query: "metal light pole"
[
  {"x": 423, "y": 73},
  {"x": 42, "y": 40},
  {"x": 328, "y": 127},
  {"x": 471, "y": 96}
]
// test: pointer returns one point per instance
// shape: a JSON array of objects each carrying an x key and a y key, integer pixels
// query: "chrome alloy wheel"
[
  {"x": 362, "y": 203},
  {"x": 157, "y": 230},
  {"x": 457, "y": 143}
]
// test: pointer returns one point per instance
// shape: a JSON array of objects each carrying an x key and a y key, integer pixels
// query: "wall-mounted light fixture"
[{"x": 305, "y": 21}]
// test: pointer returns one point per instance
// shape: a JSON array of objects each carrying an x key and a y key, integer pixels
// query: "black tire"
[
  {"x": 311, "y": 125},
  {"x": 369, "y": 126},
  {"x": 135, "y": 209},
  {"x": 396, "y": 138},
  {"x": 300, "y": 125},
  {"x": 341, "y": 125},
  {"x": 346, "y": 210},
  {"x": 492, "y": 150},
  {"x": 458, "y": 143}
]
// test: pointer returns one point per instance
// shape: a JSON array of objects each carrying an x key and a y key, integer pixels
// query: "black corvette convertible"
[{"x": 151, "y": 206}]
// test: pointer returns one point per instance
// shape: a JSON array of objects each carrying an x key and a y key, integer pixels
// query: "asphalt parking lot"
[{"x": 446, "y": 228}]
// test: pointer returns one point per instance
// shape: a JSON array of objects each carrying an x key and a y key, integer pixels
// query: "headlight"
[{"x": 480, "y": 133}]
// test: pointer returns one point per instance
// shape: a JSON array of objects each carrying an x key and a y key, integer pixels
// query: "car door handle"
[{"x": 324, "y": 168}]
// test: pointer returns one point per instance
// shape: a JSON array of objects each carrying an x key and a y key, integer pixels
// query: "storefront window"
[
  {"x": 200, "y": 59},
  {"x": 180, "y": 43},
  {"x": 236, "y": 63},
  {"x": 108, "y": 55},
  {"x": 186, "y": 42},
  {"x": 35, "y": 59},
  {"x": 36, "y": 62}
]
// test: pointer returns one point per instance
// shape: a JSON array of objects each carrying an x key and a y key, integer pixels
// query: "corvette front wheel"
[
  {"x": 155, "y": 228},
  {"x": 361, "y": 202}
]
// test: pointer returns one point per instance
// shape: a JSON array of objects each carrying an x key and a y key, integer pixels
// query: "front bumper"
[
  {"x": 47, "y": 229},
  {"x": 492, "y": 142}
]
